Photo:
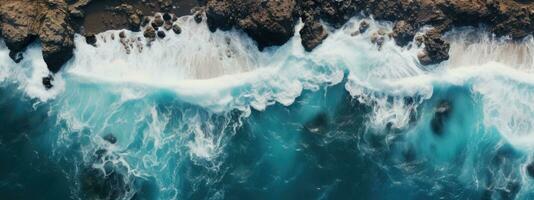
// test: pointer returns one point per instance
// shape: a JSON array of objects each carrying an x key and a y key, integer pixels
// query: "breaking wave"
[{"x": 201, "y": 115}]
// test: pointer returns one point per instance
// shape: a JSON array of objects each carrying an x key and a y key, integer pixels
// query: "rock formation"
[
  {"x": 272, "y": 22},
  {"x": 268, "y": 22},
  {"x": 23, "y": 21}
]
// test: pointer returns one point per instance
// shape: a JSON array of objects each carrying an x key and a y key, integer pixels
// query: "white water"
[{"x": 223, "y": 71}]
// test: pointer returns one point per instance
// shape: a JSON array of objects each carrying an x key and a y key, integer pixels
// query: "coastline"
[{"x": 269, "y": 23}]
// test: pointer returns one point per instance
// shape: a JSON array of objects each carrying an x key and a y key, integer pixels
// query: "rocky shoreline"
[{"x": 268, "y": 22}]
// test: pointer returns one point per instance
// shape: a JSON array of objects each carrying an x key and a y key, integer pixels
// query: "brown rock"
[
  {"x": 269, "y": 22},
  {"x": 150, "y": 32},
  {"x": 436, "y": 50},
  {"x": 158, "y": 21},
  {"x": 312, "y": 34},
  {"x": 403, "y": 32}
]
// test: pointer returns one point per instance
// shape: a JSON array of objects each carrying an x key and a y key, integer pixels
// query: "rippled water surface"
[{"x": 205, "y": 115}]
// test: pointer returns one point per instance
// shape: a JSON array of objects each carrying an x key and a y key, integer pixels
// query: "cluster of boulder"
[
  {"x": 156, "y": 25},
  {"x": 268, "y": 22}
]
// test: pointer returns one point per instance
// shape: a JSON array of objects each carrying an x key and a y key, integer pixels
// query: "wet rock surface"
[
  {"x": 441, "y": 115},
  {"x": 436, "y": 49},
  {"x": 268, "y": 22},
  {"x": 54, "y": 22},
  {"x": 23, "y": 21},
  {"x": 502, "y": 17}
]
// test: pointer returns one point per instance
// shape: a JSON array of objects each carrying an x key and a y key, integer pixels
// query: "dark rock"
[
  {"x": 110, "y": 138},
  {"x": 145, "y": 21},
  {"x": 176, "y": 28},
  {"x": 150, "y": 32},
  {"x": 312, "y": 34},
  {"x": 403, "y": 32},
  {"x": 269, "y": 22},
  {"x": 530, "y": 169},
  {"x": 441, "y": 115},
  {"x": 436, "y": 49},
  {"x": 167, "y": 17},
  {"x": 364, "y": 25},
  {"x": 174, "y": 18},
  {"x": 122, "y": 35},
  {"x": 16, "y": 56},
  {"x": 161, "y": 34},
  {"x": 319, "y": 124},
  {"x": 47, "y": 82},
  {"x": 96, "y": 184},
  {"x": 198, "y": 17},
  {"x": 90, "y": 39}
]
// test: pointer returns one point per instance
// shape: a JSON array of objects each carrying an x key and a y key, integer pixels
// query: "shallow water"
[{"x": 205, "y": 115}]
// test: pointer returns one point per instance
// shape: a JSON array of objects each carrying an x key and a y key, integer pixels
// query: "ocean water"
[{"x": 205, "y": 115}]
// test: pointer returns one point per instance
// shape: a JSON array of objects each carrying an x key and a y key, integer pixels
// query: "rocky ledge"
[
  {"x": 268, "y": 22},
  {"x": 54, "y": 22},
  {"x": 272, "y": 22}
]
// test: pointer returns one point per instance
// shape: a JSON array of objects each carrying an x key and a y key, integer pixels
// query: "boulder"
[
  {"x": 403, "y": 32},
  {"x": 441, "y": 115},
  {"x": 158, "y": 21},
  {"x": 90, "y": 39},
  {"x": 312, "y": 34},
  {"x": 269, "y": 22},
  {"x": 150, "y": 32},
  {"x": 23, "y": 21},
  {"x": 176, "y": 28},
  {"x": 161, "y": 34},
  {"x": 47, "y": 82},
  {"x": 436, "y": 49}
]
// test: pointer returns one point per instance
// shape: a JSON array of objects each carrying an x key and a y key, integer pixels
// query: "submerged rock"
[
  {"x": 530, "y": 169},
  {"x": 441, "y": 115},
  {"x": 319, "y": 124},
  {"x": 96, "y": 184},
  {"x": 110, "y": 138}
]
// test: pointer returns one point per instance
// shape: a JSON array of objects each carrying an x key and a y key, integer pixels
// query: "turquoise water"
[{"x": 220, "y": 120}]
